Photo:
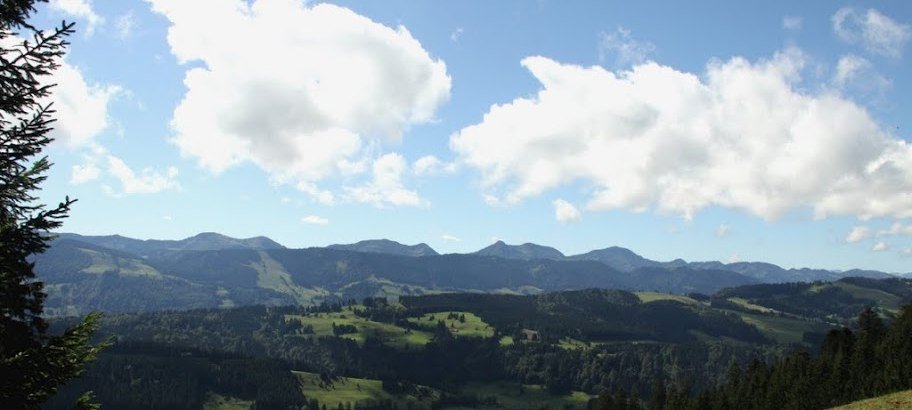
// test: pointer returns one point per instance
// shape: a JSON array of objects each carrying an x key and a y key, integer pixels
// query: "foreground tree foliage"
[
  {"x": 33, "y": 362},
  {"x": 871, "y": 361}
]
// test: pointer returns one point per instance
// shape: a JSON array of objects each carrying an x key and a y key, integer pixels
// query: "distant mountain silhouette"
[
  {"x": 206, "y": 241},
  {"x": 622, "y": 259},
  {"x": 526, "y": 251},
  {"x": 118, "y": 274},
  {"x": 388, "y": 247}
]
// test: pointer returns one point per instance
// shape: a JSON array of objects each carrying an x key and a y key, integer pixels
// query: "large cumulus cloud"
[
  {"x": 301, "y": 91},
  {"x": 741, "y": 135}
]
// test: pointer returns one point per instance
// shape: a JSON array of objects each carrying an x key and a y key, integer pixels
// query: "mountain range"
[{"x": 116, "y": 273}]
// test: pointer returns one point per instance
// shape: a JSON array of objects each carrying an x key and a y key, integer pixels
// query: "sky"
[{"x": 776, "y": 131}]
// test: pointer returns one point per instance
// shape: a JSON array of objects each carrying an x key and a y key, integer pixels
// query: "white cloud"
[
  {"x": 723, "y": 230},
  {"x": 81, "y": 9},
  {"x": 149, "y": 181},
  {"x": 385, "y": 186},
  {"x": 792, "y": 23},
  {"x": 625, "y": 49},
  {"x": 84, "y": 173},
  {"x": 877, "y": 33},
  {"x": 430, "y": 165},
  {"x": 852, "y": 70},
  {"x": 565, "y": 212},
  {"x": 880, "y": 247},
  {"x": 302, "y": 91},
  {"x": 907, "y": 252},
  {"x": 848, "y": 68},
  {"x": 125, "y": 24},
  {"x": 858, "y": 234},
  {"x": 896, "y": 229},
  {"x": 81, "y": 108},
  {"x": 315, "y": 220},
  {"x": 742, "y": 135},
  {"x": 450, "y": 238},
  {"x": 734, "y": 258},
  {"x": 427, "y": 164},
  {"x": 454, "y": 36}
]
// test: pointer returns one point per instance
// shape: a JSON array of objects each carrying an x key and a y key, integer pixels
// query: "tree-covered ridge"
[
  {"x": 872, "y": 360},
  {"x": 837, "y": 301},
  {"x": 594, "y": 315},
  {"x": 394, "y": 342}
]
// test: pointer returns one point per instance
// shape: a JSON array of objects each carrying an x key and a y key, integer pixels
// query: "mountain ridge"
[{"x": 387, "y": 246}]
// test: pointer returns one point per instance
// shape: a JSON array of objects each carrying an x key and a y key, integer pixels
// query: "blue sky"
[{"x": 711, "y": 131}]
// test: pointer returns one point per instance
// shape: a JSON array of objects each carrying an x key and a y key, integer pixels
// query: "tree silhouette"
[{"x": 33, "y": 362}]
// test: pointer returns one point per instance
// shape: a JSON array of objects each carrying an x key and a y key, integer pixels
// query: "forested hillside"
[{"x": 469, "y": 350}]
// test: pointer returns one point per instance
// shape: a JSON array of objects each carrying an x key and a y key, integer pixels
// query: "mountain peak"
[
  {"x": 386, "y": 246},
  {"x": 526, "y": 251},
  {"x": 622, "y": 259}
]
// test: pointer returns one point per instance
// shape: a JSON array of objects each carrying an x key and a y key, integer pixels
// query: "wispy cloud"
[
  {"x": 315, "y": 220},
  {"x": 148, "y": 181},
  {"x": 456, "y": 34},
  {"x": 125, "y": 24},
  {"x": 624, "y": 48},
  {"x": 877, "y": 33},
  {"x": 450, "y": 238},
  {"x": 723, "y": 230},
  {"x": 880, "y": 247},
  {"x": 858, "y": 234},
  {"x": 793, "y": 23}
]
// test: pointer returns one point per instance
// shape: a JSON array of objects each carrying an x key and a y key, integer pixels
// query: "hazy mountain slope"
[
  {"x": 82, "y": 273},
  {"x": 386, "y": 246},
  {"x": 201, "y": 242},
  {"x": 526, "y": 251},
  {"x": 619, "y": 258}
]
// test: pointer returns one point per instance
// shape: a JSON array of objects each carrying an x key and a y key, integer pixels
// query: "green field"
[
  {"x": 510, "y": 395},
  {"x": 748, "y": 305},
  {"x": 895, "y": 401},
  {"x": 391, "y": 335},
  {"x": 352, "y": 390},
  {"x": 782, "y": 329},
  {"x": 572, "y": 344},
  {"x": 884, "y": 300},
  {"x": 647, "y": 297},
  {"x": 473, "y": 326},
  {"x": 218, "y": 402}
]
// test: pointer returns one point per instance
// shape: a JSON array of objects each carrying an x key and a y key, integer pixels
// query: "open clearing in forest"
[
  {"x": 391, "y": 335},
  {"x": 783, "y": 329},
  {"x": 351, "y": 390},
  {"x": 471, "y": 326},
  {"x": 511, "y": 395}
]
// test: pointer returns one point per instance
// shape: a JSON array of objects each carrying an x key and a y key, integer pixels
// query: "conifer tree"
[{"x": 33, "y": 362}]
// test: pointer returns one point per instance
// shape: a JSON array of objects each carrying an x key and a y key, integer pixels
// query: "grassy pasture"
[
  {"x": 885, "y": 300},
  {"x": 219, "y": 402},
  {"x": 472, "y": 327},
  {"x": 390, "y": 334},
  {"x": 782, "y": 329},
  {"x": 510, "y": 395},
  {"x": 351, "y": 390},
  {"x": 895, "y": 401},
  {"x": 748, "y": 305},
  {"x": 647, "y": 297}
]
